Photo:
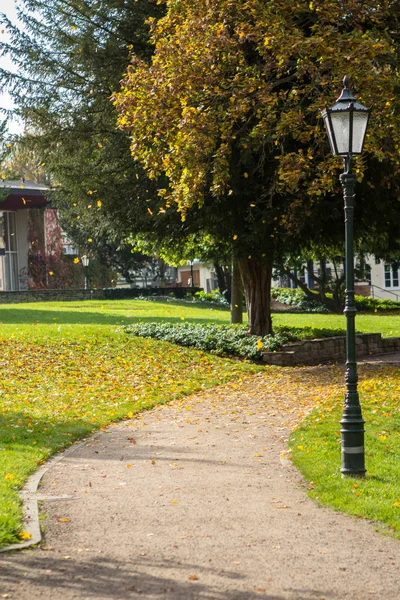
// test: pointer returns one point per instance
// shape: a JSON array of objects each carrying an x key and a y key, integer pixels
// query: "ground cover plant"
[
  {"x": 227, "y": 340},
  {"x": 316, "y": 449}
]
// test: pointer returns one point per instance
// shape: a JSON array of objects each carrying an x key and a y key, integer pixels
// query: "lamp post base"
[{"x": 353, "y": 454}]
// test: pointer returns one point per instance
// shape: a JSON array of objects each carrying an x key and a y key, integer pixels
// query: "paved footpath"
[{"x": 195, "y": 500}]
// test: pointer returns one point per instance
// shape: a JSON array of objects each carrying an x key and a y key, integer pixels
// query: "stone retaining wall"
[
  {"x": 100, "y": 294},
  {"x": 49, "y": 296},
  {"x": 333, "y": 349}
]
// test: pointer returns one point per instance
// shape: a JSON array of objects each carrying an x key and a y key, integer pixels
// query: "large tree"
[
  {"x": 70, "y": 56},
  {"x": 228, "y": 111}
]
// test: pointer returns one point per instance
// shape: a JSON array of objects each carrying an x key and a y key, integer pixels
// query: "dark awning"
[{"x": 23, "y": 194}]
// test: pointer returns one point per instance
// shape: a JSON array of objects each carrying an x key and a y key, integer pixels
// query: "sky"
[{"x": 8, "y": 8}]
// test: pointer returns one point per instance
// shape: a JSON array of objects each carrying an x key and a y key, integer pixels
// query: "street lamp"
[
  {"x": 85, "y": 263},
  {"x": 346, "y": 123}
]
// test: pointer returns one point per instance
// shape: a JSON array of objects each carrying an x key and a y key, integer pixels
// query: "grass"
[
  {"x": 316, "y": 450},
  {"x": 68, "y": 369},
  {"x": 388, "y": 325}
]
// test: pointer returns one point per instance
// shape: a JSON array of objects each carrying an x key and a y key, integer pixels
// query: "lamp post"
[
  {"x": 346, "y": 123},
  {"x": 85, "y": 263}
]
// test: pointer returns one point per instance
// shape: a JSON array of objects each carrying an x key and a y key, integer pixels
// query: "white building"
[
  {"x": 21, "y": 207},
  {"x": 197, "y": 274},
  {"x": 385, "y": 282}
]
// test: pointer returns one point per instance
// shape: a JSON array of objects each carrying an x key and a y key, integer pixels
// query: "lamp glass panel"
[
  {"x": 341, "y": 130},
  {"x": 360, "y": 121},
  {"x": 328, "y": 129}
]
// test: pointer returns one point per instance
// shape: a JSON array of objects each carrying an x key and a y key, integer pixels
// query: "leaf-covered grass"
[
  {"x": 316, "y": 450},
  {"x": 68, "y": 369}
]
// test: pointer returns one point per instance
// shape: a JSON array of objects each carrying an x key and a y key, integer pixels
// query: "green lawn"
[
  {"x": 316, "y": 449},
  {"x": 67, "y": 368},
  {"x": 387, "y": 325}
]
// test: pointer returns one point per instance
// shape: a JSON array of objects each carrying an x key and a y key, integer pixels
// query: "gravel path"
[{"x": 195, "y": 500}]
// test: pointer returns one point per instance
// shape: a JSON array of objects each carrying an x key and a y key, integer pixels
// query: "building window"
[{"x": 391, "y": 275}]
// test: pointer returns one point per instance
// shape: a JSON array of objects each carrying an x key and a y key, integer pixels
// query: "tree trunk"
[
  {"x": 236, "y": 294},
  {"x": 256, "y": 279},
  {"x": 224, "y": 280},
  {"x": 219, "y": 271}
]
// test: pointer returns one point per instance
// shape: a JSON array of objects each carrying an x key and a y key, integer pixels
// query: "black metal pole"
[{"x": 352, "y": 430}]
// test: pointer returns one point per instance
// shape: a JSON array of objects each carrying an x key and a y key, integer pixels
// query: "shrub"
[
  {"x": 298, "y": 299},
  {"x": 368, "y": 304}
]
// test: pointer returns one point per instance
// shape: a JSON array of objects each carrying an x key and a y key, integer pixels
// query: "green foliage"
[
  {"x": 229, "y": 340},
  {"x": 298, "y": 299},
  {"x": 316, "y": 449}
]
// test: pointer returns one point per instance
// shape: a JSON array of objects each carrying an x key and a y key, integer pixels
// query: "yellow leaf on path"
[
  {"x": 129, "y": 465},
  {"x": 63, "y": 520},
  {"x": 193, "y": 577},
  {"x": 258, "y": 454},
  {"x": 175, "y": 501},
  {"x": 24, "y": 535}
]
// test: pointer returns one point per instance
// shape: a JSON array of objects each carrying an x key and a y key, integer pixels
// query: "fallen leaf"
[{"x": 193, "y": 577}]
